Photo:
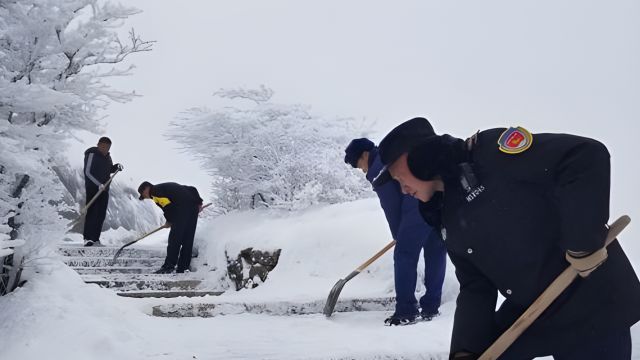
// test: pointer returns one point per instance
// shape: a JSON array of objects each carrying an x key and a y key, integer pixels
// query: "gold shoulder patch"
[{"x": 515, "y": 140}]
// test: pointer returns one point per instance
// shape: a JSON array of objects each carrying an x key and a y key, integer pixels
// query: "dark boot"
[
  {"x": 400, "y": 320},
  {"x": 429, "y": 315},
  {"x": 164, "y": 270}
]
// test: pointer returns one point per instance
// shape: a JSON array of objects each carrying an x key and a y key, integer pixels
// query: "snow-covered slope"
[{"x": 56, "y": 316}]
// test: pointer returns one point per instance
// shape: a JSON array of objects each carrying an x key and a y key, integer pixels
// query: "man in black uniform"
[
  {"x": 97, "y": 169},
  {"x": 516, "y": 209},
  {"x": 180, "y": 205}
]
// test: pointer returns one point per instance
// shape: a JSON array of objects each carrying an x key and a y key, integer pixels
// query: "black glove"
[{"x": 119, "y": 167}]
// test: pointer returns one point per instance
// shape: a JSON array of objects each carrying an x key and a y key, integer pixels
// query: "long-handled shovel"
[
  {"x": 83, "y": 211},
  {"x": 332, "y": 299},
  {"x": 544, "y": 300},
  {"x": 167, "y": 225},
  {"x": 136, "y": 240}
]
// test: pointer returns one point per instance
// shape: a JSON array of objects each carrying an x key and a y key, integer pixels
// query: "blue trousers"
[{"x": 405, "y": 257}]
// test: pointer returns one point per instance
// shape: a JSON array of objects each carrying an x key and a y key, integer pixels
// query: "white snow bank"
[
  {"x": 319, "y": 246},
  {"x": 56, "y": 316}
]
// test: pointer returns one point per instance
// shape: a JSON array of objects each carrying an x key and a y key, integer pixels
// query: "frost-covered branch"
[{"x": 261, "y": 95}]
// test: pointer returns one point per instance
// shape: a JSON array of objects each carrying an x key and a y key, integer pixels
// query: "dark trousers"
[
  {"x": 183, "y": 229},
  {"x": 405, "y": 257},
  {"x": 94, "y": 219}
]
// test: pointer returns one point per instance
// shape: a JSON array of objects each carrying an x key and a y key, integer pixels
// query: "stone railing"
[{"x": 10, "y": 273}]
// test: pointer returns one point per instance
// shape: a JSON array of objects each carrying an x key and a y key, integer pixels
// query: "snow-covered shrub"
[{"x": 273, "y": 155}]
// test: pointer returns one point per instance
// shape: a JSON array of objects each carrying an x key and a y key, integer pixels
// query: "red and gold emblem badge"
[{"x": 515, "y": 140}]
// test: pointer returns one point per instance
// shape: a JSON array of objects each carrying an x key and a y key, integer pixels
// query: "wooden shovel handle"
[
  {"x": 376, "y": 256},
  {"x": 95, "y": 197}
]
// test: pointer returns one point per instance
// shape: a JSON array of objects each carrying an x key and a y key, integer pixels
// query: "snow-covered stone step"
[
  {"x": 169, "y": 294},
  {"x": 109, "y": 251},
  {"x": 90, "y": 270},
  {"x": 141, "y": 277},
  {"x": 271, "y": 308},
  {"x": 80, "y": 261},
  {"x": 155, "y": 284}
]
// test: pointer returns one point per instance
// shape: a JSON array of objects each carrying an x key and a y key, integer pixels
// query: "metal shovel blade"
[
  {"x": 332, "y": 299},
  {"x": 115, "y": 257}
]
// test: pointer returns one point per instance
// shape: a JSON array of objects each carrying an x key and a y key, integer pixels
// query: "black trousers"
[
  {"x": 183, "y": 229},
  {"x": 96, "y": 213}
]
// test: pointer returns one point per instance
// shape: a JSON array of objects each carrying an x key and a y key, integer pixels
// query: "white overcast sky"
[{"x": 550, "y": 66}]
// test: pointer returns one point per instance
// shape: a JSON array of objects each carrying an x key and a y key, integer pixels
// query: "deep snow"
[{"x": 56, "y": 316}]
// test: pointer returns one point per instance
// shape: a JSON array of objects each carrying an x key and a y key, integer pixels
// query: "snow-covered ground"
[{"x": 57, "y": 316}]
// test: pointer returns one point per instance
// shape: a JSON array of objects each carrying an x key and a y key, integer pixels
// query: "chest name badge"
[{"x": 515, "y": 140}]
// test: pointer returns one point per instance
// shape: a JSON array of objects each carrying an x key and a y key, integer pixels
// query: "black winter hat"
[
  {"x": 438, "y": 155},
  {"x": 144, "y": 185},
  {"x": 355, "y": 149},
  {"x": 402, "y": 139}
]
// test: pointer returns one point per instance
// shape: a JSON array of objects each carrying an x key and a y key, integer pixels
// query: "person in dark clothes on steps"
[
  {"x": 98, "y": 167},
  {"x": 412, "y": 235},
  {"x": 180, "y": 205},
  {"x": 516, "y": 210}
]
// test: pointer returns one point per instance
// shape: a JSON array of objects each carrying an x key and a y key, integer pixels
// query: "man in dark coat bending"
[
  {"x": 517, "y": 209},
  {"x": 412, "y": 235},
  {"x": 180, "y": 205}
]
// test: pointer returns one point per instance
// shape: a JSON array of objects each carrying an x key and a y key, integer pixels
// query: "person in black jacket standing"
[
  {"x": 516, "y": 209},
  {"x": 412, "y": 235},
  {"x": 180, "y": 205},
  {"x": 97, "y": 169}
]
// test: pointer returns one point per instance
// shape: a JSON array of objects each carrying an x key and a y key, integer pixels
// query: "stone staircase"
[
  {"x": 132, "y": 276},
  {"x": 132, "y": 273}
]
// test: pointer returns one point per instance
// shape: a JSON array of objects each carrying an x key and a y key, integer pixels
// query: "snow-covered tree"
[
  {"x": 266, "y": 154},
  {"x": 54, "y": 56}
]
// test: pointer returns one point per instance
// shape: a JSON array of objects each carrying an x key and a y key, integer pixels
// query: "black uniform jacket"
[
  {"x": 175, "y": 199},
  {"x": 97, "y": 167},
  {"x": 511, "y": 236}
]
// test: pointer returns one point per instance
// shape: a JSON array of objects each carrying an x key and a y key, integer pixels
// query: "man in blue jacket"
[
  {"x": 411, "y": 234},
  {"x": 97, "y": 169}
]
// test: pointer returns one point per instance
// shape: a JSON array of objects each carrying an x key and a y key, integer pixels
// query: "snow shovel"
[
  {"x": 83, "y": 211},
  {"x": 115, "y": 257},
  {"x": 337, "y": 288},
  {"x": 545, "y": 299},
  {"x": 136, "y": 240}
]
